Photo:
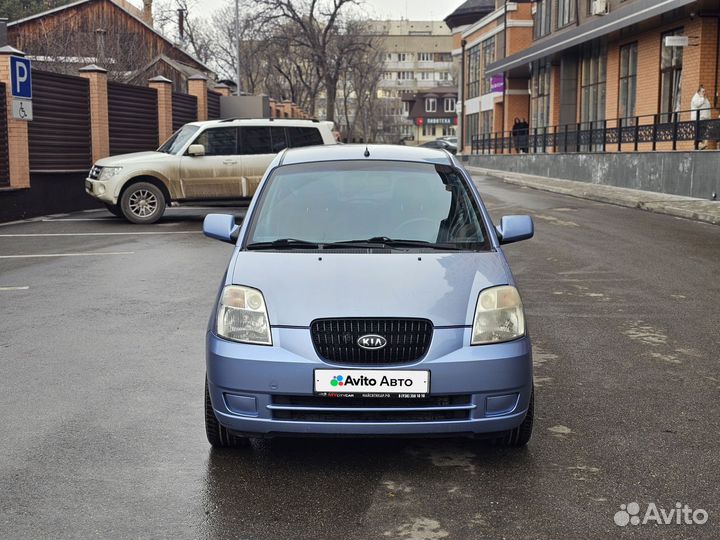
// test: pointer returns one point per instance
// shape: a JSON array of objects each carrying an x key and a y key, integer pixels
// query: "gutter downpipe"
[{"x": 461, "y": 94}]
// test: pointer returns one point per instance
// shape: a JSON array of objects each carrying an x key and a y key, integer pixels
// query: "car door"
[
  {"x": 258, "y": 146},
  {"x": 216, "y": 175}
]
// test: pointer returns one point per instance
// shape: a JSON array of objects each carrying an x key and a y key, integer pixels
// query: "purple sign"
[{"x": 497, "y": 83}]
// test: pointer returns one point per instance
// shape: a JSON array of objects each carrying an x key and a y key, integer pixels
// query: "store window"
[
  {"x": 471, "y": 128},
  {"x": 593, "y": 82},
  {"x": 671, "y": 61},
  {"x": 540, "y": 94},
  {"x": 628, "y": 81},
  {"x": 488, "y": 57}
]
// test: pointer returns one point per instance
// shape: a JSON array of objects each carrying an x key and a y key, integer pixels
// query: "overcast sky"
[{"x": 423, "y": 10}]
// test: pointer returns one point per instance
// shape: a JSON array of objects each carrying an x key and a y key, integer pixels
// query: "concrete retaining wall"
[{"x": 692, "y": 174}]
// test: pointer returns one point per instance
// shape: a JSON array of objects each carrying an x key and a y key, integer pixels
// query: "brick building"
[
  {"x": 584, "y": 65},
  {"x": 432, "y": 113}
]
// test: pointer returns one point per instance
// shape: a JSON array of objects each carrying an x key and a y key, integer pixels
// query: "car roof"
[
  {"x": 356, "y": 152},
  {"x": 260, "y": 122}
]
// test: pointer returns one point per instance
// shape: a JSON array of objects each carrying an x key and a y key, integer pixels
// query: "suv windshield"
[
  {"x": 400, "y": 205},
  {"x": 178, "y": 139}
]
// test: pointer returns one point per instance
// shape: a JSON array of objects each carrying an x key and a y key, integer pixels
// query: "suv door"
[
  {"x": 216, "y": 175},
  {"x": 258, "y": 146}
]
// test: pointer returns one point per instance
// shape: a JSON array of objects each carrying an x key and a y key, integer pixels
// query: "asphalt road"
[{"x": 102, "y": 365}]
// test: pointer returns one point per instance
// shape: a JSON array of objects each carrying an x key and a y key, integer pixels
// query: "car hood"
[
  {"x": 134, "y": 159},
  {"x": 301, "y": 287}
]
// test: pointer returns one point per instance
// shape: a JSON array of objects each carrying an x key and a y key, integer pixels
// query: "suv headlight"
[
  {"x": 499, "y": 316},
  {"x": 242, "y": 316},
  {"x": 108, "y": 173}
]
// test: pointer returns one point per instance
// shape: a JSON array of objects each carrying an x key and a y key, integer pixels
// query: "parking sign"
[{"x": 21, "y": 77}]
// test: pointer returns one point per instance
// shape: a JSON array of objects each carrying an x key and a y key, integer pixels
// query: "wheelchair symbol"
[{"x": 22, "y": 113}]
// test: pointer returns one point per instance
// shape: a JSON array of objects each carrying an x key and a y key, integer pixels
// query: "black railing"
[{"x": 604, "y": 135}]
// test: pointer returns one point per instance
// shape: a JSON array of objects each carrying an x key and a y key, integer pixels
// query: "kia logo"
[{"x": 371, "y": 342}]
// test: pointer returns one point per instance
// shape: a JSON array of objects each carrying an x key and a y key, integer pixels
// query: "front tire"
[
  {"x": 520, "y": 436},
  {"x": 142, "y": 203},
  {"x": 217, "y": 435}
]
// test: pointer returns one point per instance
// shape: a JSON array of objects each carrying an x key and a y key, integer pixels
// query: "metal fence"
[
  {"x": 213, "y": 105},
  {"x": 4, "y": 164},
  {"x": 133, "y": 118},
  {"x": 603, "y": 135},
  {"x": 184, "y": 109},
  {"x": 59, "y": 137}
]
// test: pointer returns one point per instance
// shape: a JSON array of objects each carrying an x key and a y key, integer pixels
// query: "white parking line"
[
  {"x": 21, "y": 235},
  {"x": 66, "y": 255},
  {"x": 81, "y": 219},
  {"x": 5, "y": 289}
]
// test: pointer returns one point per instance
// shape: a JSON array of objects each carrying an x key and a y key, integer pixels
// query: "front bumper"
[
  {"x": 102, "y": 190},
  {"x": 246, "y": 383}
]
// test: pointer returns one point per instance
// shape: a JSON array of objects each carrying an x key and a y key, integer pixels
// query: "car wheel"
[
  {"x": 217, "y": 435},
  {"x": 142, "y": 202},
  {"x": 114, "y": 209},
  {"x": 520, "y": 436}
]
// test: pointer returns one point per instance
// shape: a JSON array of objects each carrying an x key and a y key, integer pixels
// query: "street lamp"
[{"x": 237, "y": 43}]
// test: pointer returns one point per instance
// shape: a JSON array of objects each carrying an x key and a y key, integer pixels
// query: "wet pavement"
[{"x": 101, "y": 394}]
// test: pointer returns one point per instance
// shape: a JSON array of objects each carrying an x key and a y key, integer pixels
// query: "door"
[
  {"x": 258, "y": 145},
  {"x": 216, "y": 175}
]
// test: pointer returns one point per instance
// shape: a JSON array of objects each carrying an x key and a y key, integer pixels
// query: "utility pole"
[{"x": 237, "y": 43}]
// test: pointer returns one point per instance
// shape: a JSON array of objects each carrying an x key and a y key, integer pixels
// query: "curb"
[{"x": 659, "y": 203}]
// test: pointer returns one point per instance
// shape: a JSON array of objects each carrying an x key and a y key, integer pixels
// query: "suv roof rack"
[{"x": 315, "y": 120}]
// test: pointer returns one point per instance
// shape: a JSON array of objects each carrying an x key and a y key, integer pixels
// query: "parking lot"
[{"x": 102, "y": 355}]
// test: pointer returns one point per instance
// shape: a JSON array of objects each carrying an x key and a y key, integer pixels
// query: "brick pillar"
[
  {"x": 99, "y": 123},
  {"x": 18, "y": 152},
  {"x": 197, "y": 86},
  {"x": 223, "y": 89},
  {"x": 273, "y": 108},
  {"x": 164, "y": 106}
]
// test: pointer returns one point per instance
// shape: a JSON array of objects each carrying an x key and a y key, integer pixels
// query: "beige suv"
[{"x": 216, "y": 160}]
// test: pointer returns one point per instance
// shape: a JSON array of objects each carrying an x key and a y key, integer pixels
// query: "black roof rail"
[{"x": 271, "y": 119}]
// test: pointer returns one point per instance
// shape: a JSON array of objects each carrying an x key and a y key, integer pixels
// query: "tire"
[
  {"x": 217, "y": 435},
  {"x": 114, "y": 209},
  {"x": 520, "y": 436},
  {"x": 142, "y": 202}
]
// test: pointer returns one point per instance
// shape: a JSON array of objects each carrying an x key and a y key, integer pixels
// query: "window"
[
  {"x": 443, "y": 57},
  {"x": 444, "y": 76},
  {"x": 628, "y": 80},
  {"x": 406, "y": 107},
  {"x": 425, "y": 76},
  {"x": 425, "y": 57},
  {"x": 178, "y": 139},
  {"x": 449, "y": 105},
  {"x": 428, "y": 130},
  {"x": 219, "y": 141},
  {"x": 405, "y": 75},
  {"x": 540, "y": 94},
  {"x": 488, "y": 57},
  {"x": 566, "y": 12},
  {"x": 431, "y": 104},
  {"x": 471, "y": 128},
  {"x": 541, "y": 21},
  {"x": 473, "y": 72},
  {"x": 486, "y": 122},
  {"x": 671, "y": 60},
  {"x": 402, "y": 57},
  {"x": 593, "y": 88},
  {"x": 256, "y": 140},
  {"x": 387, "y": 75},
  {"x": 304, "y": 136}
]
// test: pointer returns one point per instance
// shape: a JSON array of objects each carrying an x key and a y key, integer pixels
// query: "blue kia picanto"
[{"x": 368, "y": 295}]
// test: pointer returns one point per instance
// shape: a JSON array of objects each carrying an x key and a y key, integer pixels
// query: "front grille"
[
  {"x": 335, "y": 340},
  {"x": 95, "y": 172},
  {"x": 326, "y": 409}
]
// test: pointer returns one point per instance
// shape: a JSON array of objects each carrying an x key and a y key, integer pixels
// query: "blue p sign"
[{"x": 20, "y": 77}]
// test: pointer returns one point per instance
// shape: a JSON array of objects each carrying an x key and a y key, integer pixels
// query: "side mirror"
[
  {"x": 196, "y": 150},
  {"x": 221, "y": 227},
  {"x": 515, "y": 228}
]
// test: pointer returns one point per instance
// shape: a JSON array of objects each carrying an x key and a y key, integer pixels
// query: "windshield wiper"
[
  {"x": 285, "y": 243},
  {"x": 384, "y": 241}
]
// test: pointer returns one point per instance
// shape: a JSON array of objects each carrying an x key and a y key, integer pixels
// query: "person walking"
[{"x": 700, "y": 107}]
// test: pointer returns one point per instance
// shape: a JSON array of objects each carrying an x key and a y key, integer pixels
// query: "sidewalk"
[{"x": 661, "y": 203}]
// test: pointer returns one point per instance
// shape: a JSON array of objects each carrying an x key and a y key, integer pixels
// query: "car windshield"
[
  {"x": 178, "y": 139},
  {"x": 400, "y": 205}
]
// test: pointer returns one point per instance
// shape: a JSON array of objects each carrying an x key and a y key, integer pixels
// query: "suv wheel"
[
  {"x": 142, "y": 202},
  {"x": 217, "y": 435},
  {"x": 520, "y": 436}
]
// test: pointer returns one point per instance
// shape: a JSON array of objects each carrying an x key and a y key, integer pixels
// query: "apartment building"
[
  {"x": 619, "y": 70},
  {"x": 418, "y": 59}
]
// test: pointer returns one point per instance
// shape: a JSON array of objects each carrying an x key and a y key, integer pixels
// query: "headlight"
[
  {"x": 499, "y": 316},
  {"x": 108, "y": 173},
  {"x": 242, "y": 316}
]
